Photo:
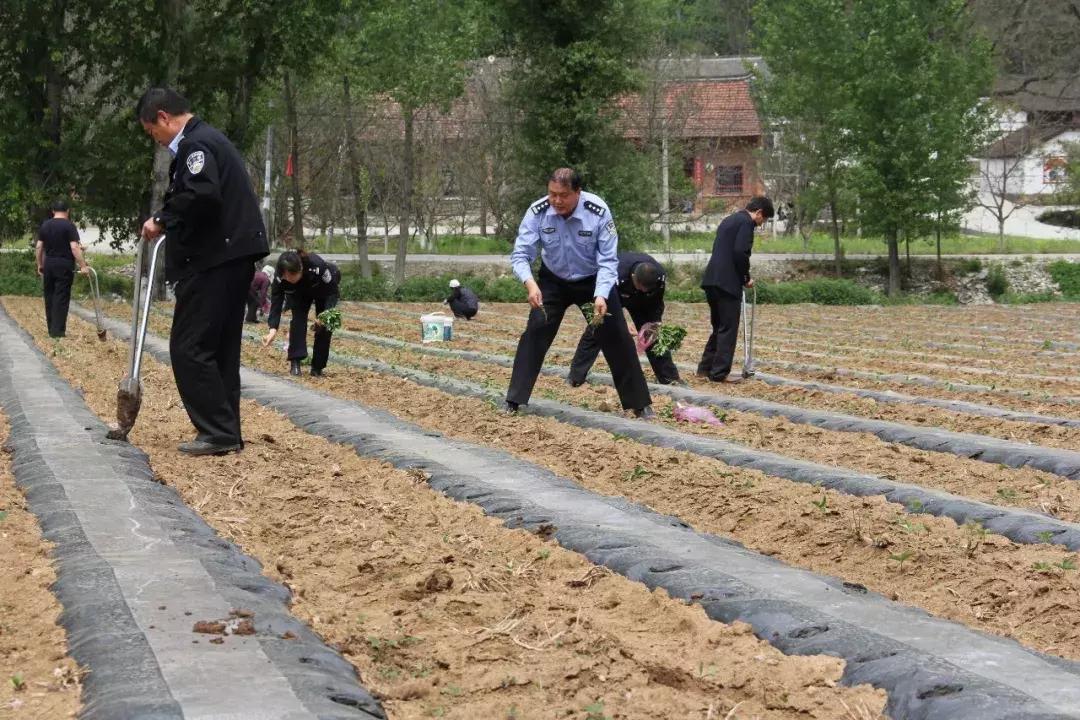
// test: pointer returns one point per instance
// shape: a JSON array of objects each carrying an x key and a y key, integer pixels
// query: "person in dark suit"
[
  {"x": 215, "y": 235},
  {"x": 727, "y": 273},
  {"x": 641, "y": 289},
  {"x": 57, "y": 250}
]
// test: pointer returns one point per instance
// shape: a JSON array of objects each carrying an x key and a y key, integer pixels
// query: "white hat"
[
  {"x": 268, "y": 270},
  {"x": 455, "y": 283}
]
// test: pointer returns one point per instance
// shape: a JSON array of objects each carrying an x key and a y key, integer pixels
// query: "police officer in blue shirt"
[{"x": 576, "y": 238}]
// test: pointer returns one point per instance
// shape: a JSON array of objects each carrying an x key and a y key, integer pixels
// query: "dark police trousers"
[
  {"x": 588, "y": 348},
  {"x": 252, "y": 315},
  {"x": 57, "y": 276},
  {"x": 301, "y": 305},
  {"x": 612, "y": 336},
  {"x": 724, "y": 312},
  {"x": 205, "y": 348}
]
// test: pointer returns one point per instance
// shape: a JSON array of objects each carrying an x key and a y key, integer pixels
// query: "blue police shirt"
[{"x": 579, "y": 246}]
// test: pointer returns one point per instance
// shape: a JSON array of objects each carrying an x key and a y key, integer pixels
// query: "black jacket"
[
  {"x": 729, "y": 265},
  {"x": 631, "y": 297},
  {"x": 210, "y": 214},
  {"x": 463, "y": 301},
  {"x": 320, "y": 279}
]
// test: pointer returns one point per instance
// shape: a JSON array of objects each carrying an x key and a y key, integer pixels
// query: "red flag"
[{"x": 289, "y": 166}]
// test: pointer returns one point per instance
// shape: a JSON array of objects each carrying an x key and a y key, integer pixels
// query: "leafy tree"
[
  {"x": 415, "y": 53},
  {"x": 572, "y": 60},
  {"x": 917, "y": 76},
  {"x": 708, "y": 27},
  {"x": 806, "y": 96}
]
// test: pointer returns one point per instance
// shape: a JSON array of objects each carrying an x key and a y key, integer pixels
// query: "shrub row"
[{"x": 1067, "y": 275}]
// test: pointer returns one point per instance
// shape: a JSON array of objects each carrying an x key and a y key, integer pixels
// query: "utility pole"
[{"x": 268, "y": 169}]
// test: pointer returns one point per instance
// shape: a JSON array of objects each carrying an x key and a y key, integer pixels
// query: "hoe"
[
  {"x": 748, "y": 332},
  {"x": 95, "y": 291},
  {"x": 129, "y": 393}
]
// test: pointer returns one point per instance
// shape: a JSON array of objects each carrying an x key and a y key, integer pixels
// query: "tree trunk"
[
  {"x": 162, "y": 159},
  {"x": 940, "y": 268},
  {"x": 408, "y": 116},
  {"x": 891, "y": 237},
  {"x": 294, "y": 149},
  {"x": 838, "y": 255},
  {"x": 665, "y": 194},
  {"x": 356, "y": 178},
  {"x": 907, "y": 251},
  {"x": 1001, "y": 235},
  {"x": 240, "y": 115}
]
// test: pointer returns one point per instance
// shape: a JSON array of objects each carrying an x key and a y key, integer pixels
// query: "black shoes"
[
  {"x": 294, "y": 367},
  {"x": 511, "y": 408},
  {"x": 645, "y": 413},
  {"x": 201, "y": 447},
  {"x": 316, "y": 372},
  {"x": 574, "y": 382}
]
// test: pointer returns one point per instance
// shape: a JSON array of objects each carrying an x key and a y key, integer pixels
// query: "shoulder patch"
[
  {"x": 594, "y": 208},
  {"x": 540, "y": 206},
  {"x": 196, "y": 161}
]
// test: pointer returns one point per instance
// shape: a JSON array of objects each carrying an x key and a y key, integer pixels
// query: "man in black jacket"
[
  {"x": 57, "y": 250},
  {"x": 727, "y": 273},
  {"x": 641, "y": 289},
  {"x": 215, "y": 234},
  {"x": 463, "y": 302}
]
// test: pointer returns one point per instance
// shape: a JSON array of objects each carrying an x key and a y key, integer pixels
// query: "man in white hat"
[{"x": 462, "y": 301}]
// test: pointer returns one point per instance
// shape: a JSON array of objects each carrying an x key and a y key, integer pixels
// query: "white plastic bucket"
[{"x": 436, "y": 327}]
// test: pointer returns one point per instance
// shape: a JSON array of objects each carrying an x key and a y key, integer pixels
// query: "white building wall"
[{"x": 1026, "y": 176}]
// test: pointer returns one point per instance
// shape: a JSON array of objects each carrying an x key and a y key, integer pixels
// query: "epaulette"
[
  {"x": 540, "y": 206},
  {"x": 594, "y": 208}
]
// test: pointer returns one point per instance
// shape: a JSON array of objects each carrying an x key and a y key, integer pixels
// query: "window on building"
[{"x": 729, "y": 179}]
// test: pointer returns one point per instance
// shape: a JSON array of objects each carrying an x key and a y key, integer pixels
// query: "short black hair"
[
  {"x": 59, "y": 206},
  {"x": 157, "y": 99},
  {"x": 289, "y": 261},
  {"x": 760, "y": 202},
  {"x": 566, "y": 176},
  {"x": 648, "y": 275}
]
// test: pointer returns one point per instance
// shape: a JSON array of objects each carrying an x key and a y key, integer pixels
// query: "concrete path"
[{"x": 137, "y": 569}]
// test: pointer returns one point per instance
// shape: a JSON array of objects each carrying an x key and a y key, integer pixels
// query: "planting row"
[{"x": 444, "y": 611}]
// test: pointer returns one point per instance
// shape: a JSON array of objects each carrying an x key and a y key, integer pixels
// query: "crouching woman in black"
[{"x": 303, "y": 279}]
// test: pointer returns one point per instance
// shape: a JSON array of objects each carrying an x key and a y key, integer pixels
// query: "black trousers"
[
  {"x": 724, "y": 312},
  {"x": 462, "y": 309},
  {"x": 301, "y": 305},
  {"x": 205, "y": 348},
  {"x": 612, "y": 336},
  {"x": 57, "y": 276},
  {"x": 252, "y": 307},
  {"x": 588, "y": 348}
]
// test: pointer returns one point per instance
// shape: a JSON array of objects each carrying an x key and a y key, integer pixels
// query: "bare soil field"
[
  {"x": 962, "y": 573},
  {"x": 445, "y": 612},
  {"x": 37, "y": 678}
]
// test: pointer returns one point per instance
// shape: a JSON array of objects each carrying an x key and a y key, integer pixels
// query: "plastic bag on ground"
[
  {"x": 646, "y": 336},
  {"x": 695, "y": 413}
]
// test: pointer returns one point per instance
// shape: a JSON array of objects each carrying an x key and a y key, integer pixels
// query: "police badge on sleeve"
[{"x": 196, "y": 161}]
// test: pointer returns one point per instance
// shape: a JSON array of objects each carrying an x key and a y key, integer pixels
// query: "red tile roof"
[{"x": 694, "y": 109}]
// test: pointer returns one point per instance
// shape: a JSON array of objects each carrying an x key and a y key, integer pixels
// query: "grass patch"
[{"x": 1067, "y": 275}]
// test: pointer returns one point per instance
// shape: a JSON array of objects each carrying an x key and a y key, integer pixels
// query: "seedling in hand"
[{"x": 330, "y": 319}]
